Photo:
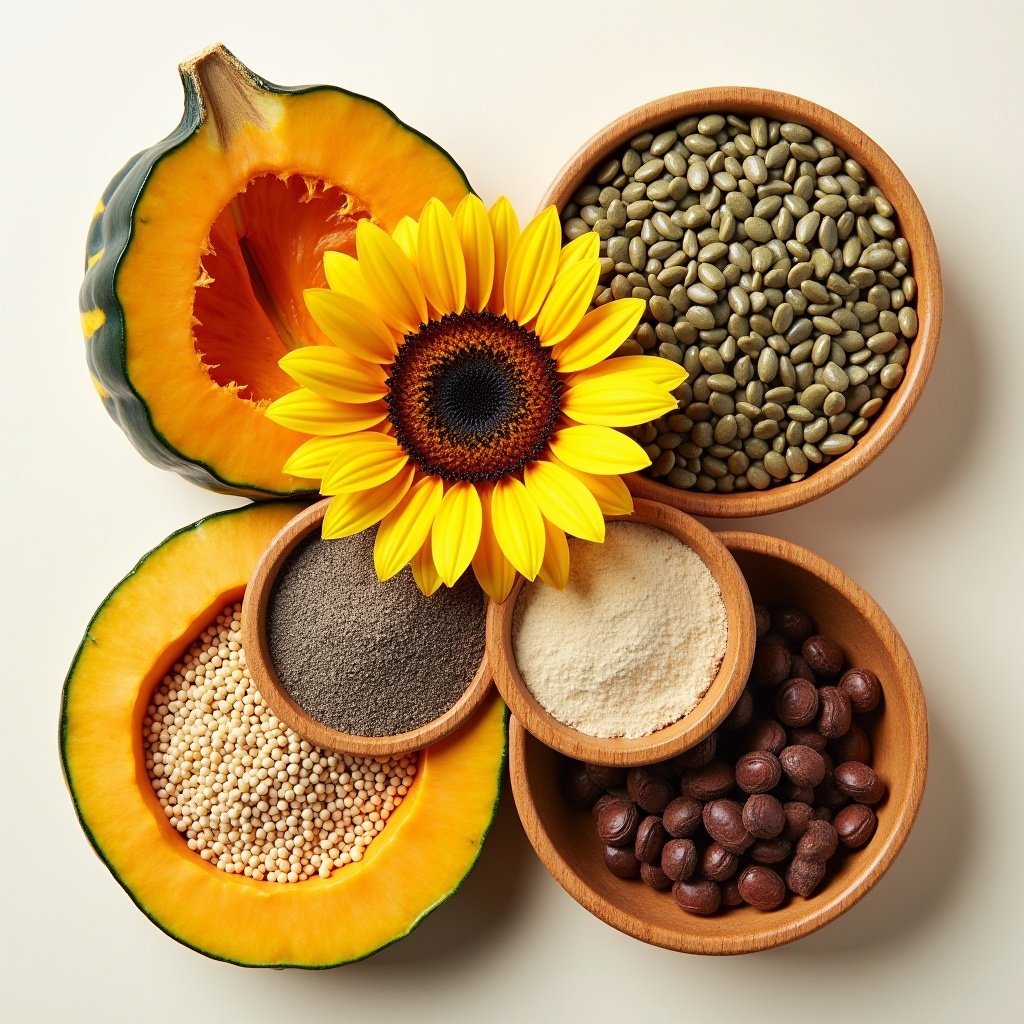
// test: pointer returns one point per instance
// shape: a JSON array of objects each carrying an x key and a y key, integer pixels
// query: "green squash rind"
[
  {"x": 111, "y": 232},
  {"x": 98, "y": 849}
]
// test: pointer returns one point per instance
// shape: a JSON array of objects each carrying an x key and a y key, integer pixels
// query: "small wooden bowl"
[
  {"x": 564, "y": 837},
  {"x": 680, "y": 735},
  {"x": 254, "y": 636},
  {"x": 912, "y": 223}
]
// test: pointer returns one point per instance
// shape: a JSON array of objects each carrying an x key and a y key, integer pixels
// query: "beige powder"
[{"x": 632, "y": 643}]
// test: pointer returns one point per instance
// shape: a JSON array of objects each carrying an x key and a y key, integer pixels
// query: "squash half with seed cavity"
[
  {"x": 201, "y": 247},
  {"x": 143, "y": 627}
]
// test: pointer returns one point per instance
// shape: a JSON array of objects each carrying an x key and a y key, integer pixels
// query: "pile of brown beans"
[{"x": 762, "y": 806}]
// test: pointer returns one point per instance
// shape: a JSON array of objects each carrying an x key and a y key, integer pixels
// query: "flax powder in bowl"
[
  {"x": 355, "y": 664},
  {"x": 644, "y": 652}
]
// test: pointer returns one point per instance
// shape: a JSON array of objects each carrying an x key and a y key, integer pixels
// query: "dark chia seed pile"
[{"x": 365, "y": 657}]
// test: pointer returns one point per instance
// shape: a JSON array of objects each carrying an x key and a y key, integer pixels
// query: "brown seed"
[
  {"x": 799, "y": 669},
  {"x": 802, "y": 765},
  {"x": 798, "y": 816},
  {"x": 765, "y": 734},
  {"x": 699, "y": 755},
  {"x": 835, "y": 715},
  {"x": 793, "y": 623},
  {"x": 804, "y": 876},
  {"x": 708, "y": 783},
  {"x": 701, "y": 897},
  {"x": 602, "y": 802},
  {"x": 679, "y": 858},
  {"x": 799, "y": 794},
  {"x": 621, "y": 862},
  {"x": 606, "y": 776},
  {"x": 855, "y": 825},
  {"x": 763, "y": 816},
  {"x": 854, "y": 746},
  {"x": 862, "y": 687},
  {"x": 649, "y": 790},
  {"x": 770, "y": 851},
  {"x": 741, "y": 714},
  {"x": 617, "y": 822},
  {"x": 723, "y": 821},
  {"x": 771, "y": 663},
  {"x": 718, "y": 863},
  {"x": 650, "y": 838},
  {"x": 796, "y": 702},
  {"x": 823, "y": 655},
  {"x": 758, "y": 771},
  {"x": 860, "y": 782},
  {"x": 652, "y": 875},
  {"x": 807, "y": 736},
  {"x": 819, "y": 842},
  {"x": 682, "y": 817},
  {"x": 762, "y": 620},
  {"x": 822, "y": 814},
  {"x": 828, "y": 794},
  {"x": 731, "y": 893},
  {"x": 578, "y": 785},
  {"x": 762, "y": 887}
]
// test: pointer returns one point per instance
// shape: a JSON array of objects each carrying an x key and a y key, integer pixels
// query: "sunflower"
[{"x": 469, "y": 404}]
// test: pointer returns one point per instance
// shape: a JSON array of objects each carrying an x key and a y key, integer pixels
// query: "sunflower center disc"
[{"x": 473, "y": 396}]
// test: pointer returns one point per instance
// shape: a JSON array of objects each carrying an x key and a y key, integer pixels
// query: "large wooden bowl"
[
  {"x": 680, "y": 735},
  {"x": 564, "y": 836},
  {"x": 268, "y": 683},
  {"x": 912, "y": 223}
]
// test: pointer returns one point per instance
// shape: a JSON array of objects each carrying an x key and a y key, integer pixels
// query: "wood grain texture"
[
  {"x": 254, "y": 639},
  {"x": 680, "y": 735},
  {"x": 912, "y": 224},
  {"x": 564, "y": 837}
]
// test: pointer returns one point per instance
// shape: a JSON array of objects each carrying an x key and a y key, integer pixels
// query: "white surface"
[{"x": 932, "y": 530}]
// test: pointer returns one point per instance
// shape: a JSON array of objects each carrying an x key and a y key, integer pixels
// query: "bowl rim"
[
  {"x": 878, "y": 857},
  {"x": 913, "y": 225},
  {"x": 268, "y": 683},
  {"x": 677, "y": 736}
]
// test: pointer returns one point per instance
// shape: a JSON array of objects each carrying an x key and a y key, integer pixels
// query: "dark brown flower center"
[{"x": 473, "y": 396}]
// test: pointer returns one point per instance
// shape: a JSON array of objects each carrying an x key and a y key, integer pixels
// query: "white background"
[{"x": 932, "y": 530}]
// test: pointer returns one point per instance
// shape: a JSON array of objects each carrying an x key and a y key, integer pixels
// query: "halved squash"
[
  {"x": 201, "y": 247},
  {"x": 145, "y": 624}
]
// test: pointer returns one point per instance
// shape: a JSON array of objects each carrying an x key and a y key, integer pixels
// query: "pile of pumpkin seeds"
[{"x": 774, "y": 271}]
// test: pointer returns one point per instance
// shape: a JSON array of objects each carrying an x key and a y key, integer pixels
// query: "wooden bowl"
[
  {"x": 254, "y": 636},
  {"x": 564, "y": 836},
  {"x": 680, "y": 735},
  {"x": 912, "y": 223}
]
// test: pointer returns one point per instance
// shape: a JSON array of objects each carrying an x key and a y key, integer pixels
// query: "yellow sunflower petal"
[
  {"x": 564, "y": 500},
  {"x": 311, "y": 459},
  {"x": 391, "y": 278},
  {"x": 617, "y": 401},
  {"x": 403, "y": 530},
  {"x": 352, "y": 326},
  {"x": 424, "y": 572},
  {"x": 493, "y": 571},
  {"x": 585, "y": 247},
  {"x": 505, "y": 234},
  {"x": 610, "y": 492},
  {"x": 599, "y": 334},
  {"x": 343, "y": 273},
  {"x": 310, "y": 413},
  {"x": 554, "y": 570},
  {"x": 351, "y": 513},
  {"x": 406, "y": 235},
  {"x": 600, "y": 450},
  {"x": 456, "y": 531},
  {"x": 567, "y": 302},
  {"x": 531, "y": 266},
  {"x": 367, "y": 460},
  {"x": 477, "y": 240},
  {"x": 335, "y": 374},
  {"x": 442, "y": 266},
  {"x": 651, "y": 368},
  {"x": 518, "y": 526}
]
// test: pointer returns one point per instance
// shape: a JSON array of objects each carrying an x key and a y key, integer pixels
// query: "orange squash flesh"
[{"x": 141, "y": 630}]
